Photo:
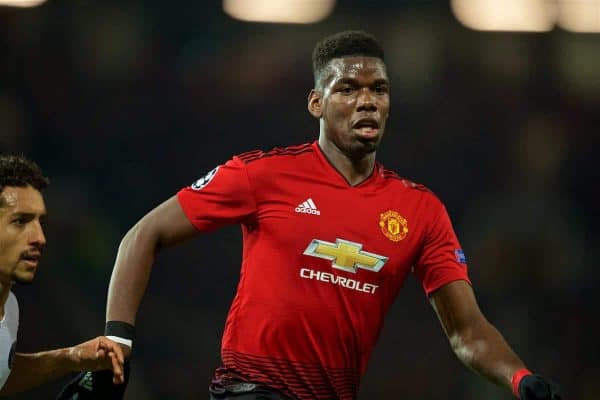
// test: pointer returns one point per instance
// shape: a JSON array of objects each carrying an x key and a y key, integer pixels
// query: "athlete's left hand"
[
  {"x": 98, "y": 354},
  {"x": 536, "y": 387}
]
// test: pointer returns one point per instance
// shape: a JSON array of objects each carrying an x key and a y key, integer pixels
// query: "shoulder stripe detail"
[
  {"x": 387, "y": 174},
  {"x": 277, "y": 151},
  {"x": 294, "y": 147},
  {"x": 249, "y": 153},
  {"x": 391, "y": 174}
]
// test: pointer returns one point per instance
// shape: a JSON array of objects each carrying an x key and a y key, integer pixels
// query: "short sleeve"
[
  {"x": 441, "y": 259},
  {"x": 221, "y": 197}
]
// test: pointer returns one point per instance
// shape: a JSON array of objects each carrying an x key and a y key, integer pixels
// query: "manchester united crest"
[{"x": 393, "y": 225}]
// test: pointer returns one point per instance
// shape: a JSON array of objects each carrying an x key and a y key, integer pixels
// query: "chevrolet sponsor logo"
[{"x": 345, "y": 255}]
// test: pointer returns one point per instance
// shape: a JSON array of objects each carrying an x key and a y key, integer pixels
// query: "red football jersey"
[{"x": 322, "y": 263}]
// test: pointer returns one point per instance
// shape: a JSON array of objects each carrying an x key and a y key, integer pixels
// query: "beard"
[
  {"x": 369, "y": 146},
  {"x": 361, "y": 148},
  {"x": 22, "y": 280},
  {"x": 22, "y": 277}
]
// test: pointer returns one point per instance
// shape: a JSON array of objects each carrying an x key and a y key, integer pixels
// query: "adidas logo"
[{"x": 308, "y": 207}]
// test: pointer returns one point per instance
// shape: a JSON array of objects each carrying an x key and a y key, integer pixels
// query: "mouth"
[
  {"x": 31, "y": 259},
  {"x": 367, "y": 128}
]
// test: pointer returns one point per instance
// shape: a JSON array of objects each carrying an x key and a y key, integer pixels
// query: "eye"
[
  {"x": 19, "y": 221},
  {"x": 381, "y": 89},
  {"x": 346, "y": 90}
]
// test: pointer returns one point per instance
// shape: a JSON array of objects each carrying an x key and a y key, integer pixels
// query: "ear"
[{"x": 315, "y": 103}]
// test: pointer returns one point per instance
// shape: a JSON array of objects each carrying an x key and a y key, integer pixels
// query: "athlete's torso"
[
  {"x": 322, "y": 263},
  {"x": 9, "y": 326}
]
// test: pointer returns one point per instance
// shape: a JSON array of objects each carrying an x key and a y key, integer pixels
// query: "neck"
[
  {"x": 354, "y": 169},
  {"x": 4, "y": 291}
]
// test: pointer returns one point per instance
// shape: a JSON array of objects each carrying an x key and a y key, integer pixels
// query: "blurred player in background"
[
  {"x": 22, "y": 242},
  {"x": 329, "y": 236}
]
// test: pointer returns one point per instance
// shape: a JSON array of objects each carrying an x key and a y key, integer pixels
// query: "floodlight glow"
[
  {"x": 579, "y": 15},
  {"x": 21, "y": 3},
  {"x": 281, "y": 11},
  {"x": 505, "y": 15}
]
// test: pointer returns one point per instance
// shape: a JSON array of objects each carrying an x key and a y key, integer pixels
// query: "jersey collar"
[{"x": 333, "y": 171}]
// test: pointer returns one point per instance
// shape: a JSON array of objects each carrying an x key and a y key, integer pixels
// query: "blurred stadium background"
[{"x": 494, "y": 107}]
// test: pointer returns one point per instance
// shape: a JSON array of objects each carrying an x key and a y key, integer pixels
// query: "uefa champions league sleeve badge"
[{"x": 205, "y": 180}]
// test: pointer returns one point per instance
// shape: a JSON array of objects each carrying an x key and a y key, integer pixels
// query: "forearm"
[
  {"x": 30, "y": 370},
  {"x": 164, "y": 226},
  {"x": 130, "y": 274},
  {"x": 483, "y": 349}
]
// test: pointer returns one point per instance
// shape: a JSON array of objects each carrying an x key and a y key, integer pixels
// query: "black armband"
[{"x": 120, "y": 332}]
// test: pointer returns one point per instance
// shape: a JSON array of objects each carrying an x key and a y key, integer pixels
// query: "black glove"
[
  {"x": 95, "y": 386},
  {"x": 536, "y": 387}
]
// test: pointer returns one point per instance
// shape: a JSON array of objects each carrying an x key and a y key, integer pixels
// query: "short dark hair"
[
  {"x": 344, "y": 44},
  {"x": 16, "y": 170}
]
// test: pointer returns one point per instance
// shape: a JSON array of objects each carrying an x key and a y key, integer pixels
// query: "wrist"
[
  {"x": 120, "y": 332},
  {"x": 516, "y": 380}
]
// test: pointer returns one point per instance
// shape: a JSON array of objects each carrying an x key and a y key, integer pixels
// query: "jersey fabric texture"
[
  {"x": 9, "y": 325},
  {"x": 322, "y": 263}
]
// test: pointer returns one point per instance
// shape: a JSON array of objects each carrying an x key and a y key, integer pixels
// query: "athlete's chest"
[{"x": 377, "y": 229}]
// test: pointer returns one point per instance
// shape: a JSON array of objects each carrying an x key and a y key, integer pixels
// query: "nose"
[
  {"x": 366, "y": 100},
  {"x": 37, "y": 237}
]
